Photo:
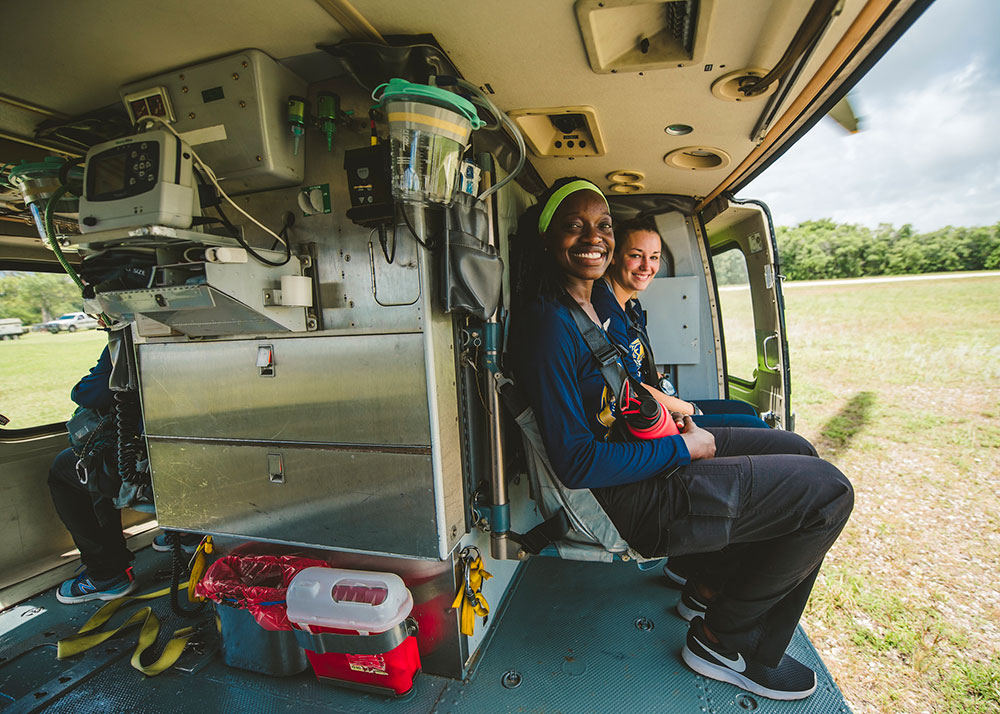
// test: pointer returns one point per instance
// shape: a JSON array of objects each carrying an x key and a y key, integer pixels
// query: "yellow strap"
[
  {"x": 88, "y": 636},
  {"x": 198, "y": 564},
  {"x": 476, "y": 606}
]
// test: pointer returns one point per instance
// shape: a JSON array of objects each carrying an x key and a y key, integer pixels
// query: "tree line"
[
  {"x": 824, "y": 249},
  {"x": 815, "y": 250}
]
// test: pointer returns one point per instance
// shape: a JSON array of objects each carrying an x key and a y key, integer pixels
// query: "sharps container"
[
  {"x": 354, "y": 628},
  {"x": 429, "y": 128}
]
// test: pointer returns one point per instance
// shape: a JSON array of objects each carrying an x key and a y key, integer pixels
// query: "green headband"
[{"x": 556, "y": 198}]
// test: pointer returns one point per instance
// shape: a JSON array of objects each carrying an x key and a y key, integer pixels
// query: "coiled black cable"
[{"x": 129, "y": 421}]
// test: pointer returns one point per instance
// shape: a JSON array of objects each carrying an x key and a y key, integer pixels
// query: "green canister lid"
[{"x": 397, "y": 89}]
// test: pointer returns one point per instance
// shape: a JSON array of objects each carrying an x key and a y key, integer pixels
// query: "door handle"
[{"x": 773, "y": 336}]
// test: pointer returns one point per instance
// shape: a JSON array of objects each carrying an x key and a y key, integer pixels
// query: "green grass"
[
  {"x": 897, "y": 384},
  {"x": 973, "y": 688},
  {"x": 38, "y": 371}
]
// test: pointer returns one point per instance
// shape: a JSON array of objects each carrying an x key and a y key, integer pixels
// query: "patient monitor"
[{"x": 146, "y": 179}]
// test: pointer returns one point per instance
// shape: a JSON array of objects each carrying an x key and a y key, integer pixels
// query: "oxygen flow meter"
[{"x": 146, "y": 179}]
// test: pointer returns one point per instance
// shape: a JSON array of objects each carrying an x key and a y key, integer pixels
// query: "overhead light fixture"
[{"x": 678, "y": 129}]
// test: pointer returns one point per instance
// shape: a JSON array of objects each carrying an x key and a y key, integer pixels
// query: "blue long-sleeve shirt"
[
  {"x": 92, "y": 390},
  {"x": 561, "y": 379}
]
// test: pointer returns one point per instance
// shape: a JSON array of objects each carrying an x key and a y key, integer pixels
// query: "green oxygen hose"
[{"x": 50, "y": 236}]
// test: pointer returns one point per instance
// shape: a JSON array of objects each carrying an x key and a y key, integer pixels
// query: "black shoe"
[
  {"x": 675, "y": 578},
  {"x": 691, "y": 604},
  {"x": 789, "y": 680}
]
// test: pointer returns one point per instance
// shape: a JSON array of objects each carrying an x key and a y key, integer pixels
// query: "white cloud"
[{"x": 927, "y": 154}]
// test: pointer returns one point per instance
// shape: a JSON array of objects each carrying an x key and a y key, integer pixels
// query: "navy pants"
[
  {"x": 728, "y": 412},
  {"x": 754, "y": 523},
  {"x": 93, "y": 521}
]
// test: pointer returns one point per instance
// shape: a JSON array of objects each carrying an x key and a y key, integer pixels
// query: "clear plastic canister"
[
  {"x": 426, "y": 143},
  {"x": 358, "y": 600}
]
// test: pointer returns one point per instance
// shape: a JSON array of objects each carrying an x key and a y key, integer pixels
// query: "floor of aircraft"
[{"x": 581, "y": 637}]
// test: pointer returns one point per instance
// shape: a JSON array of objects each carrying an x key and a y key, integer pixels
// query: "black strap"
[
  {"x": 545, "y": 533},
  {"x": 605, "y": 353}
]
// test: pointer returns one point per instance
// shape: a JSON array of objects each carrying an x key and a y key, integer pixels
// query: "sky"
[{"x": 928, "y": 152}]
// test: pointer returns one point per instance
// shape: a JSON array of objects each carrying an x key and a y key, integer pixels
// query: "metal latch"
[
  {"x": 275, "y": 468},
  {"x": 265, "y": 360}
]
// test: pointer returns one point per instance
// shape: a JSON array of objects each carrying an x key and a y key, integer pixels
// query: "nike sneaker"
[
  {"x": 789, "y": 680},
  {"x": 675, "y": 579},
  {"x": 691, "y": 604}
]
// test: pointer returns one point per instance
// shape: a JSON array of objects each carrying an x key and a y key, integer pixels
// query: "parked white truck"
[{"x": 11, "y": 328}]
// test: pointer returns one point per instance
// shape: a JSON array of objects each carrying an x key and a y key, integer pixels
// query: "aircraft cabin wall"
[{"x": 680, "y": 312}]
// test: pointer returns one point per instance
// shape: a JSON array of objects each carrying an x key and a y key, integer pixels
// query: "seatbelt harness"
[
  {"x": 648, "y": 359},
  {"x": 604, "y": 352}
]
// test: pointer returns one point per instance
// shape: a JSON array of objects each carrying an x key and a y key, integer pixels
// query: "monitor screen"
[{"x": 107, "y": 173}]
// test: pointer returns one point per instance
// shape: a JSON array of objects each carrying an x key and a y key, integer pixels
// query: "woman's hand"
[
  {"x": 700, "y": 443},
  {"x": 678, "y": 421}
]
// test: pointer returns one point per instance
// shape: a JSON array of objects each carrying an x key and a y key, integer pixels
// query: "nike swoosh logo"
[{"x": 737, "y": 665}]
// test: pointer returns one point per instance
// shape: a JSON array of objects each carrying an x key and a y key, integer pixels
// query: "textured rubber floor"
[
  {"x": 592, "y": 637},
  {"x": 575, "y": 637}
]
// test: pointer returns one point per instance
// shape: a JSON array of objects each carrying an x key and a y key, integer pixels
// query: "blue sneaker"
[
  {"x": 83, "y": 588},
  {"x": 189, "y": 543}
]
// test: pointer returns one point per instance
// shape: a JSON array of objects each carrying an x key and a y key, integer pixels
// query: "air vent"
[
  {"x": 729, "y": 87},
  {"x": 560, "y": 131},
  {"x": 697, "y": 158},
  {"x": 630, "y": 36}
]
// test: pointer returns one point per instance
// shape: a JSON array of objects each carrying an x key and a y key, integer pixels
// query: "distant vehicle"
[
  {"x": 11, "y": 328},
  {"x": 71, "y": 322}
]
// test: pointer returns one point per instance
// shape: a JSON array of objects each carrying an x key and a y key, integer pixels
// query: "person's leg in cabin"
[
  {"x": 725, "y": 406},
  {"x": 754, "y": 529},
  {"x": 96, "y": 529},
  {"x": 746, "y": 421},
  {"x": 734, "y": 442},
  {"x": 791, "y": 509}
]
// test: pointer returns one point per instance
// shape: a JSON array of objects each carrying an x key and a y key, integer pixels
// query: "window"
[
  {"x": 46, "y": 345},
  {"x": 737, "y": 312}
]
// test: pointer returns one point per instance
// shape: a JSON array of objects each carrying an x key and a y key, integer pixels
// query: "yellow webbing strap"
[
  {"x": 87, "y": 636},
  {"x": 197, "y": 565},
  {"x": 470, "y": 596}
]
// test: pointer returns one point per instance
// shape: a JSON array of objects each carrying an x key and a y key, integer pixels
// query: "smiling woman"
[{"x": 746, "y": 515}]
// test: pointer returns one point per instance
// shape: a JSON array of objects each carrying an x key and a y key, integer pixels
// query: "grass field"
[
  {"x": 897, "y": 384},
  {"x": 38, "y": 371}
]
